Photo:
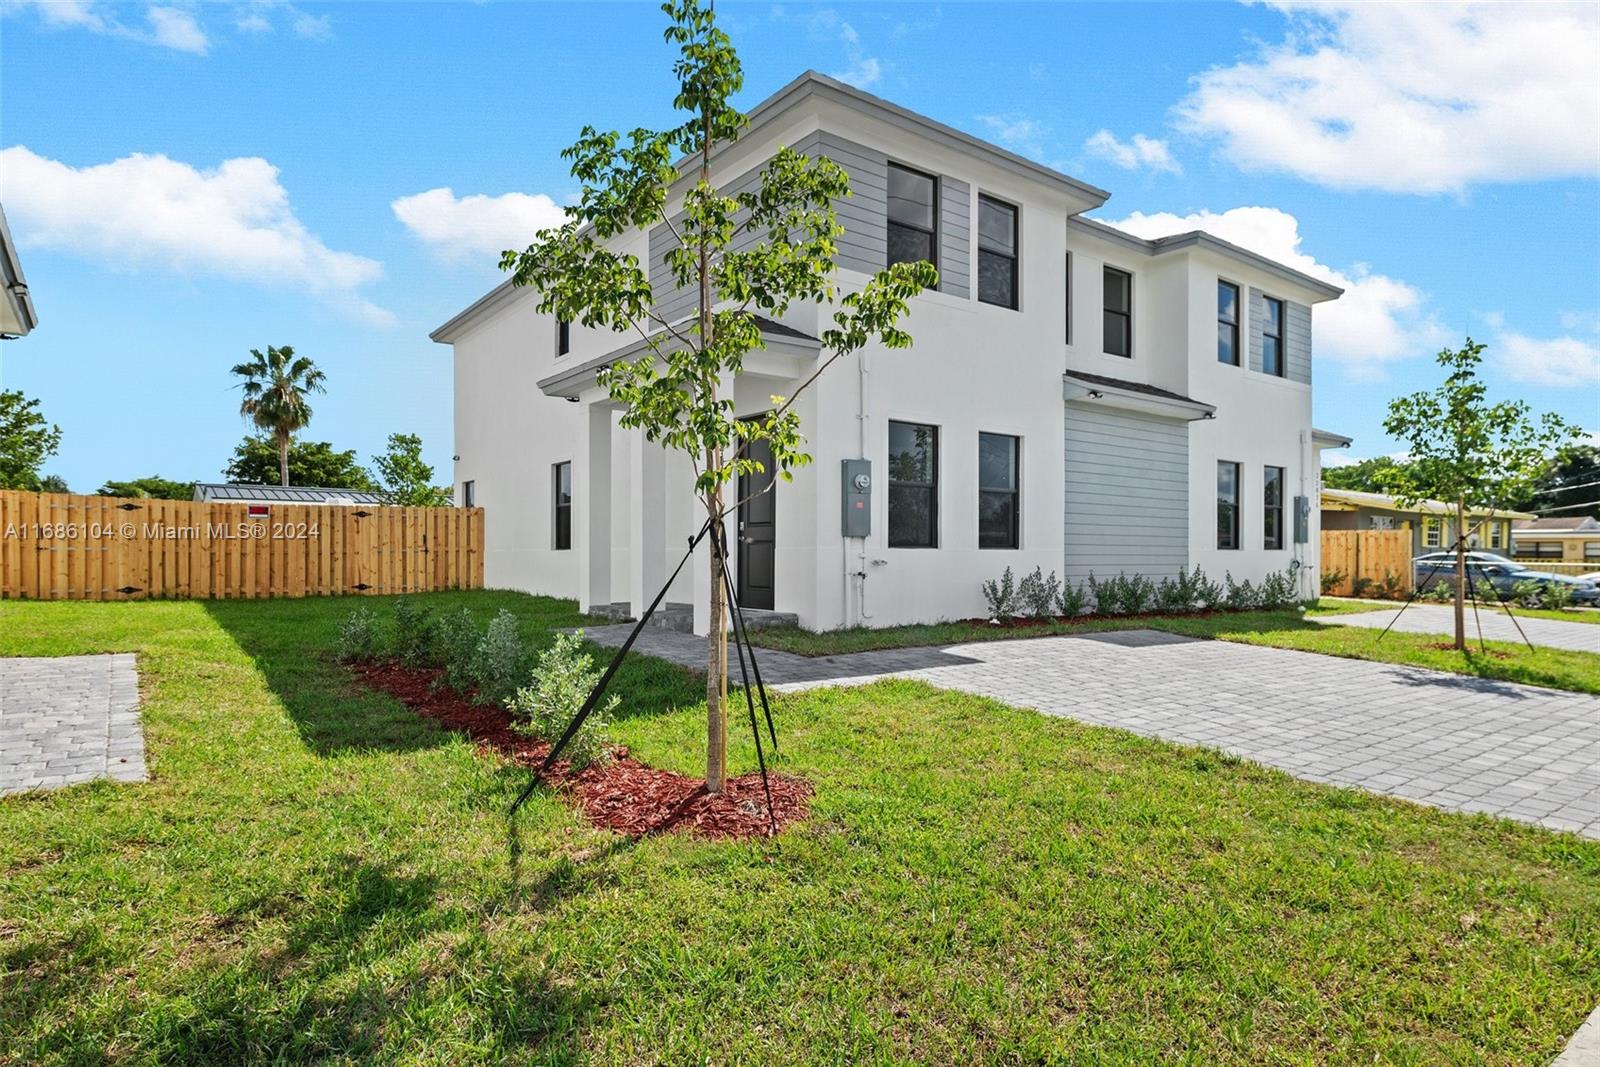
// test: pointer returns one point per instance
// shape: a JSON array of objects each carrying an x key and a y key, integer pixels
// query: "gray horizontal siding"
[
  {"x": 864, "y": 245},
  {"x": 955, "y": 237},
  {"x": 1127, "y": 494},
  {"x": 1258, "y": 321},
  {"x": 1296, "y": 336}
]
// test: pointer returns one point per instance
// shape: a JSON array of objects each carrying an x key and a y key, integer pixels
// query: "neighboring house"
[
  {"x": 1568, "y": 540},
  {"x": 229, "y": 493},
  {"x": 17, "y": 317},
  {"x": 1077, "y": 399},
  {"x": 1432, "y": 522}
]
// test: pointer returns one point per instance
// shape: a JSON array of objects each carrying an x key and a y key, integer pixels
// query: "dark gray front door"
[{"x": 757, "y": 531}]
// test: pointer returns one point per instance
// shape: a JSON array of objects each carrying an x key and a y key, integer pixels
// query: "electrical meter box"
[
  {"x": 857, "y": 480},
  {"x": 1302, "y": 519}
]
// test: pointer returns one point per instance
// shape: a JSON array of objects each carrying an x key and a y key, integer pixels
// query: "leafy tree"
[
  {"x": 26, "y": 441},
  {"x": 155, "y": 487},
  {"x": 1367, "y": 476},
  {"x": 275, "y": 388},
  {"x": 1566, "y": 485},
  {"x": 758, "y": 251},
  {"x": 53, "y": 483},
  {"x": 1465, "y": 450},
  {"x": 406, "y": 478},
  {"x": 257, "y": 462}
]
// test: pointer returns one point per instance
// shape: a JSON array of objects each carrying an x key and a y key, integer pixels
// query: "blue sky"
[{"x": 212, "y": 178}]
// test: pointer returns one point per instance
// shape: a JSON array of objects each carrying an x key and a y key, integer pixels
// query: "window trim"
[
  {"x": 1238, "y": 306},
  {"x": 889, "y": 222},
  {"x": 932, "y": 487},
  {"x": 1105, "y": 269},
  {"x": 1432, "y": 526},
  {"x": 1497, "y": 535},
  {"x": 1067, "y": 291},
  {"x": 1015, "y": 492},
  {"x": 1283, "y": 327},
  {"x": 1015, "y": 255},
  {"x": 557, "y": 507},
  {"x": 1237, "y": 504},
  {"x": 1268, "y": 508}
]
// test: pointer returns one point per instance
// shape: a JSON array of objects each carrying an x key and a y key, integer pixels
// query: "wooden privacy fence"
[
  {"x": 1370, "y": 554},
  {"x": 61, "y": 546}
]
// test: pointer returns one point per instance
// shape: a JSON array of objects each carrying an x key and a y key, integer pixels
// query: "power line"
[
  {"x": 1564, "y": 488},
  {"x": 1571, "y": 507}
]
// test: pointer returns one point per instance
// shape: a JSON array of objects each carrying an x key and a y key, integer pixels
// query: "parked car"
[{"x": 1502, "y": 574}]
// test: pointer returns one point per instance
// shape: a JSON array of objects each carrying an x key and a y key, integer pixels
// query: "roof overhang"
[
  {"x": 1104, "y": 394},
  {"x": 17, "y": 315},
  {"x": 1319, "y": 289},
  {"x": 1329, "y": 439},
  {"x": 1354, "y": 500},
  {"x": 784, "y": 356}
]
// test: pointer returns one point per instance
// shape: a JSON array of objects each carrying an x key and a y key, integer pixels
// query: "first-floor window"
[
  {"x": 1591, "y": 550},
  {"x": 1272, "y": 507},
  {"x": 1543, "y": 549},
  {"x": 1227, "y": 504},
  {"x": 1432, "y": 532},
  {"x": 469, "y": 494},
  {"x": 913, "y": 485},
  {"x": 563, "y": 498},
  {"x": 1496, "y": 535},
  {"x": 998, "y": 490}
]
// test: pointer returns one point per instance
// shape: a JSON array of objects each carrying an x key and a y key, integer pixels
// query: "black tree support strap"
[
  {"x": 605, "y": 679},
  {"x": 741, "y": 640},
  {"x": 1433, "y": 572}
]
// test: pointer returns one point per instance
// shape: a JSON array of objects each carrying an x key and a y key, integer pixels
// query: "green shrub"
[
  {"x": 1171, "y": 596},
  {"x": 1392, "y": 587},
  {"x": 1553, "y": 597},
  {"x": 500, "y": 664},
  {"x": 1123, "y": 595},
  {"x": 1332, "y": 580},
  {"x": 1205, "y": 592},
  {"x": 1001, "y": 596},
  {"x": 1037, "y": 594},
  {"x": 562, "y": 680},
  {"x": 359, "y": 640},
  {"x": 413, "y": 633},
  {"x": 1240, "y": 596},
  {"x": 1279, "y": 590},
  {"x": 1073, "y": 600},
  {"x": 1359, "y": 587},
  {"x": 457, "y": 640}
]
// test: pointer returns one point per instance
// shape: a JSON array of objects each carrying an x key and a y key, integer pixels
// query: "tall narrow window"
[
  {"x": 1227, "y": 504},
  {"x": 1272, "y": 338},
  {"x": 563, "y": 337},
  {"x": 563, "y": 502},
  {"x": 913, "y": 230},
  {"x": 1227, "y": 323},
  {"x": 1272, "y": 507},
  {"x": 1118, "y": 312},
  {"x": 1497, "y": 535},
  {"x": 469, "y": 494},
  {"x": 998, "y": 490},
  {"x": 1067, "y": 292},
  {"x": 1432, "y": 532},
  {"x": 913, "y": 485},
  {"x": 997, "y": 252}
]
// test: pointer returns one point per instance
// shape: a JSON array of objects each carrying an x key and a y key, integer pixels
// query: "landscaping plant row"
[{"x": 1039, "y": 596}]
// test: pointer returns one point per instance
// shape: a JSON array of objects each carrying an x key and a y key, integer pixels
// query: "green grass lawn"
[
  {"x": 316, "y": 874},
  {"x": 1332, "y": 605},
  {"x": 1501, "y": 660}
]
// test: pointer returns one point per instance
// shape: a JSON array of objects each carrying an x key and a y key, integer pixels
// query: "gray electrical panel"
[
  {"x": 1302, "y": 520},
  {"x": 857, "y": 513}
]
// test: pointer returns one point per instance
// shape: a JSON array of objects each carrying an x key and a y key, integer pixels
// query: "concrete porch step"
[{"x": 762, "y": 619}]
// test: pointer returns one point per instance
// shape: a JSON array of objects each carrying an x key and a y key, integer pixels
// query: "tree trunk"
[
  {"x": 283, "y": 459},
  {"x": 1461, "y": 574},
  {"x": 716, "y": 634}
]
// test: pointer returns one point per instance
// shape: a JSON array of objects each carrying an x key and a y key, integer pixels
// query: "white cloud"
[
  {"x": 1379, "y": 319},
  {"x": 234, "y": 221},
  {"x": 177, "y": 29},
  {"x": 478, "y": 226},
  {"x": 1412, "y": 97},
  {"x": 864, "y": 70},
  {"x": 1141, "y": 152},
  {"x": 312, "y": 27},
  {"x": 1562, "y": 362},
  {"x": 168, "y": 27},
  {"x": 1022, "y": 135}
]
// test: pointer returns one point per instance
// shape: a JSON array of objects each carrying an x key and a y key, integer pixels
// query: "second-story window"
[
  {"x": 913, "y": 230},
  {"x": 1067, "y": 293},
  {"x": 1272, "y": 338},
  {"x": 1227, "y": 323},
  {"x": 1118, "y": 312},
  {"x": 563, "y": 337},
  {"x": 997, "y": 252}
]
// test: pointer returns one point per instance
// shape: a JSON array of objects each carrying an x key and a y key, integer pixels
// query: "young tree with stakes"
[
  {"x": 1464, "y": 450},
  {"x": 786, "y": 251}
]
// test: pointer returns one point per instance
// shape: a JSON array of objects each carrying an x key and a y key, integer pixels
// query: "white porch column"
[
  {"x": 594, "y": 514},
  {"x": 648, "y": 548}
]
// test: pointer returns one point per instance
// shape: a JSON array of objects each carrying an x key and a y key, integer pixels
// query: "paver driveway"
[
  {"x": 1454, "y": 742},
  {"x": 1440, "y": 619},
  {"x": 67, "y": 719}
]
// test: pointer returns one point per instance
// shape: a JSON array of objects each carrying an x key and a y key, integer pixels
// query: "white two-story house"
[{"x": 1077, "y": 399}]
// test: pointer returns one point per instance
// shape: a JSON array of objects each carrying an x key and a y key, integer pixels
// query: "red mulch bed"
[{"x": 619, "y": 794}]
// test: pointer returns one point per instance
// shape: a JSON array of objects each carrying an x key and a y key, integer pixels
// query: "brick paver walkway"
[
  {"x": 67, "y": 719},
  {"x": 1454, "y": 742},
  {"x": 1441, "y": 619}
]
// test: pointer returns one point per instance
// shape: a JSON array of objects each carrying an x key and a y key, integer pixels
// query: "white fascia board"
[{"x": 1076, "y": 392}]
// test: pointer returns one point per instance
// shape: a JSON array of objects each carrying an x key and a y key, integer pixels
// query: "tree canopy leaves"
[
  {"x": 26, "y": 441},
  {"x": 311, "y": 463}
]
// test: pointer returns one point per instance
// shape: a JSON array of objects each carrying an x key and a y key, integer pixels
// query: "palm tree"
[{"x": 275, "y": 387}]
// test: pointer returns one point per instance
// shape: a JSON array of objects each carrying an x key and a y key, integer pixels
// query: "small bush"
[
  {"x": 1240, "y": 596},
  {"x": 1073, "y": 599},
  {"x": 1360, "y": 586},
  {"x": 1123, "y": 595},
  {"x": 1001, "y": 596},
  {"x": 1438, "y": 593},
  {"x": 1554, "y": 597},
  {"x": 1037, "y": 595},
  {"x": 457, "y": 641},
  {"x": 1332, "y": 580},
  {"x": 1279, "y": 590},
  {"x": 500, "y": 663},
  {"x": 562, "y": 679},
  {"x": 358, "y": 636},
  {"x": 1392, "y": 587},
  {"x": 1206, "y": 593},
  {"x": 413, "y": 633}
]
